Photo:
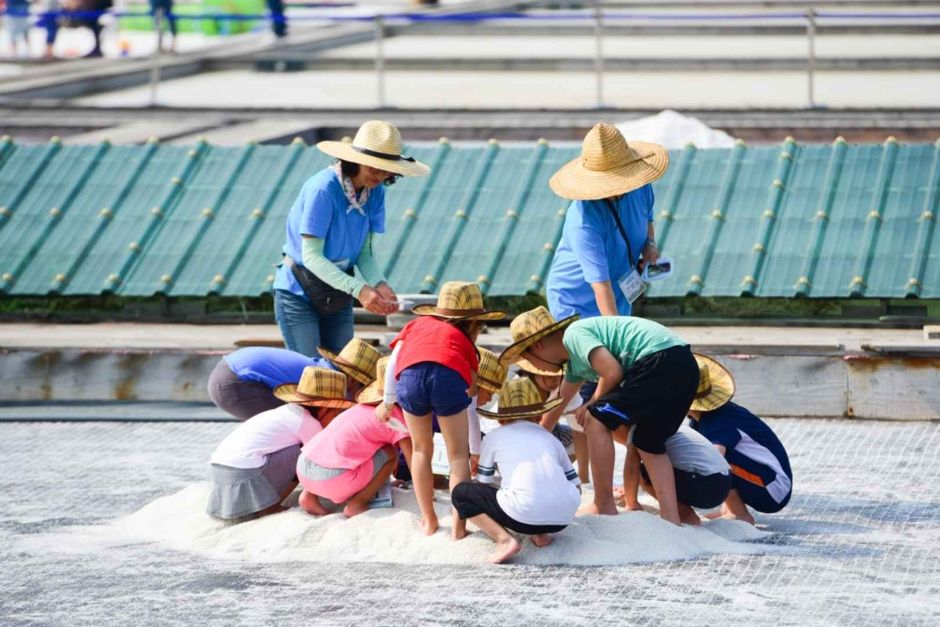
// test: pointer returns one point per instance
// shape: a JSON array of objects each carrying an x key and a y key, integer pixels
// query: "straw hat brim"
[
  {"x": 722, "y": 385},
  {"x": 288, "y": 393},
  {"x": 488, "y": 385},
  {"x": 513, "y": 353},
  {"x": 350, "y": 371},
  {"x": 371, "y": 394},
  {"x": 432, "y": 310},
  {"x": 575, "y": 182},
  {"x": 509, "y": 414},
  {"x": 346, "y": 152}
]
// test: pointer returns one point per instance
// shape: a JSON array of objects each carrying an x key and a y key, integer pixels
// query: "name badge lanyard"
[{"x": 631, "y": 284}]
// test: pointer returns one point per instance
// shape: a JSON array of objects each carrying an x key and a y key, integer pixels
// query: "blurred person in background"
[
  {"x": 168, "y": 18},
  {"x": 16, "y": 19}
]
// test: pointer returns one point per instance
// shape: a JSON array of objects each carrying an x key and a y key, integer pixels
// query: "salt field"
[{"x": 102, "y": 524}]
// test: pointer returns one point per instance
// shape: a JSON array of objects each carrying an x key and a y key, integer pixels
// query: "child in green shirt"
[{"x": 646, "y": 376}]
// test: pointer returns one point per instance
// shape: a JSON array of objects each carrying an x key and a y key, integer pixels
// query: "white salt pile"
[
  {"x": 674, "y": 130},
  {"x": 391, "y": 535}
]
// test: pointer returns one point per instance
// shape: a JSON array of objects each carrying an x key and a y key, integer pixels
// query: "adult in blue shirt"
[
  {"x": 330, "y": 228},
  {"x": 611, "y": 180}
]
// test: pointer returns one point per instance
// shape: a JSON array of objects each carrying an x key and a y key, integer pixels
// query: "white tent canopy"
[{"x": 674, "y": 130}]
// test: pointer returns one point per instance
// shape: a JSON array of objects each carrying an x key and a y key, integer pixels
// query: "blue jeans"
[{"x": 305, "y": 330}]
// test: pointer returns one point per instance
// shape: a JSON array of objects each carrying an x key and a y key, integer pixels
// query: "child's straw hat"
[
  {"x": 715, "y": 385},
  {"x": 376, "y": 144},
  {"x": 374, "y": 393},
  {"x": 318, "y": 387},
  {"x": 459, "y": 300},
  {"x": 609, "y": 166},
  {"x": 519, "y": 398},
  {"x": 491, "y": 374},
  {"x": 528, "y": 328},
  {"x": 357, "y": 360}
]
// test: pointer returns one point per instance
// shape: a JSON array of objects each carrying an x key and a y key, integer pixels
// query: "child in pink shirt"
[{"x": 353, "y": 456}]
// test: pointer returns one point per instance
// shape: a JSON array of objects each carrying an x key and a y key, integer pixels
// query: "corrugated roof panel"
[{"x": 925, "y": 266}]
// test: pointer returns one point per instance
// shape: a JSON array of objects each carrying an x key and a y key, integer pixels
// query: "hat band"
[
  {"x": 704, "y": 392},
  {"x": 637, "y": 157},
  {"x": 490, "y": 382},
  {"x": 312, "y": 397},
  {"x": 382, "y": 155},
  {"x": 459, "y": 312},
  {"x": 521, "y": 408}
]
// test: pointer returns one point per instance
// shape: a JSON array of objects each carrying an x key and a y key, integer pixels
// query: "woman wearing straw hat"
[
  {"x": 761, "y": 476},
  {"x": 330, "y": 230},
  {"x": 253, "y": 469},
  {"x": 608, "y": 227}
]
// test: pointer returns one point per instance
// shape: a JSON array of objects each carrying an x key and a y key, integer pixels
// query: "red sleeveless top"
[{"x": 431, "y": 339}]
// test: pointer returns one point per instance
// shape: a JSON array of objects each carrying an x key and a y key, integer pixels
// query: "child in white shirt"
[{"x": 539, "y": 492}]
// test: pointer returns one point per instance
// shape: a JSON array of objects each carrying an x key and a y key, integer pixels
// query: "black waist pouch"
[{"x": 325, "y": 298}]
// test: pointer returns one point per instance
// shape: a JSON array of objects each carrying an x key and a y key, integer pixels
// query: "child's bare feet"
[
  {"x": 429, "y": 526},
  {"x": 715, "y": 514},
  {"x": 459, "y": 531},
  {"x": 542, "y": 539},
  {"x": 311, "y": 504},
  {"x": 688, "y": 516},
  {"x": 745, "y": 516},
  {"x": 354, "y": 508},
  {"x": 505, "y": 549},
  {"x": 591, "y": 509}
]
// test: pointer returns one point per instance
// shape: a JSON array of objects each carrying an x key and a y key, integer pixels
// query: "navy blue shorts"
[
  {"x": 695, "y": 490},
  {"x": 472, "y": 499},
  {"x": 757, "y": 497},
  {"x": 431, "y": 387}
]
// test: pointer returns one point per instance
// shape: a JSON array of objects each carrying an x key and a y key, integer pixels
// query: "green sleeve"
[
  {"x": 579, "y": 342},
  {"x": 315, "y": 261},
  {"x": 367, "y": 265}
]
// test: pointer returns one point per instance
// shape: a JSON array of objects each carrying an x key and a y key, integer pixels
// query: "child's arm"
[
  {"x": 384, "y": 410},
  {"x": 567, "y": 392},
  {"x": 609, "y": 375},
  {"x": 631, "y": 478}
]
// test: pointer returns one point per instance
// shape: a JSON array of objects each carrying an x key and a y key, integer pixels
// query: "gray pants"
[{"x": 242, "y": 399}]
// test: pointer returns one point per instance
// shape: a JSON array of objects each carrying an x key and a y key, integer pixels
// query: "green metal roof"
[{"x": 791, "y": 220}]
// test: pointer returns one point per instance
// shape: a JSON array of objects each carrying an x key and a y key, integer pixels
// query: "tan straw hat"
[
  {"x": 715, "y": 385},
  {"x": 459, "y": 300},
  {"x": 377, "y": 144},
  {"x": 318, "y": 387},
  {"x": 357, "y": 360},
  {"x": 609, "y": 166},
  {"x": 528, "y": 328},
  {"x": 491, "y": 374},
  {"x": 519, "y": 398},
  {"x": 374, "y": 393}
]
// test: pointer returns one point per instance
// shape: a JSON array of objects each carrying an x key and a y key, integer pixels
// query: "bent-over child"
[
  {"x": 253, "y": 469},
  {"x": 761, "y": 476},
  {"x": 539, "y": 491},
  {"x": 354, "y": 456}
]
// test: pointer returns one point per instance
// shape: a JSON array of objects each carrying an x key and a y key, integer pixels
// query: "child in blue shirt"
[{"x": 761, "y": 476}]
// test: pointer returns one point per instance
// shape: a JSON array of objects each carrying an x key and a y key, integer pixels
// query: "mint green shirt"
[{"x": 627, "y": 338}]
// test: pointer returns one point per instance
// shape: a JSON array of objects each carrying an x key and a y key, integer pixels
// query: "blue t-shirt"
[
  {"x": 592, "y": 250},
  {"x": 271, "y": 366},
  {"x": 750, "y": 444},
  {"x": 321, "y": 211}
]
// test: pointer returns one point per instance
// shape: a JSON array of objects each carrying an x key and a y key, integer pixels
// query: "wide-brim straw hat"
[
  {"x": 528, "y": 328},
  {"x": 520, "y": 398},
  {"x": 609, "y": 166},
  {"x": 374, "y": 393},
  {"x": 356, "y": 360},
  {"x": 318, "y": 387},
  {"x": 459, "y": 300},
  {"x": 377, "y": 144},
  {"x": 715, "y": 385},
  {"x": 491, "y": 374}
]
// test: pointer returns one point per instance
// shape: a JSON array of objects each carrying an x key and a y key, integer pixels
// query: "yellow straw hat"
[
  {"x": 528, "y": 328},
  {"x": 318, "y": 387},
  {"x": 377, "y": 144},
  {"x": 357, "y": 360},
  {"x": 491, "y": 374},
  {"x": 609, "y": 166},
  {"x": 519, "y": 398},
  {"x": 374, "y": 393},
  {"x": 459, "y": 300},
  {"x": 715, "y": 385}
]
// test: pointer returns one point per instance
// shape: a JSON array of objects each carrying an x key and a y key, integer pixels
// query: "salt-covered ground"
[{"x": 101, "y": 524}]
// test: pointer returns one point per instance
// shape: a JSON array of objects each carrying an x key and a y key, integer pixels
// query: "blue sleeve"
[
  {"x": 650, "y": 199},
  {"x": 316, "y": 214},
  {"x": 587, "y": 241},
  {"x": 377, "y": 215}
]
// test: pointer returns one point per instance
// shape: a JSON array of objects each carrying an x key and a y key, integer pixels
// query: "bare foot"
[
  {"x": 592, "y": 509},
  {"x": 429, "y": 526},
  {"x": 354, "y": 508},
  {"x": 732, "y": 516},
  {"x": 542, "y": 539},
  {"x": 688, "y": 516},
  {"x": 311, "y": 504},
  {"x": 505, "y": 550},
  {"x": 715, "y": 514},
  {"x": 459, "y": 532}
]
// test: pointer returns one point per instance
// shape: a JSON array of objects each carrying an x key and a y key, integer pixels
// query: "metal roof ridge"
[{"x": 928, "y": 220}]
